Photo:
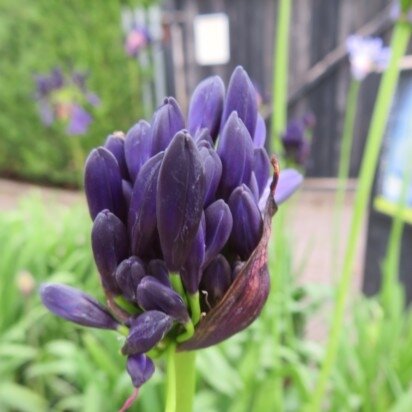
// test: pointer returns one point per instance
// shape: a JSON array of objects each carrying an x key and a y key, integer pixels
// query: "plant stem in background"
[
  {"x": 134, "y": 76},
  {"x": 343, "y": 171},
  {"x": 387, "y": 87},
  {"x": 390, "y": 267},
  {"x": 280, "y": 75},
  {"x": 77, "y": 158}
]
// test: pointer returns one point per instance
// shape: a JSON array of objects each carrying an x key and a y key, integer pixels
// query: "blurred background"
[{"x": 73, "y": 72}]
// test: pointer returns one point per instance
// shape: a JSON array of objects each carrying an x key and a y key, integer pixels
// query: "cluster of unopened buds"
[{"x": 181, "y": 221}]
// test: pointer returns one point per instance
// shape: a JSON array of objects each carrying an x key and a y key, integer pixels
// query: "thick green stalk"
[
  {"x": 171, "y": 380},
  {"x": 180, "y": 380},
  {"x": 280, "y": 74},
  {"x": 185, "y": 367},
  {"x": 343, "y": 170},
  {"x": 387, "y": 87}
]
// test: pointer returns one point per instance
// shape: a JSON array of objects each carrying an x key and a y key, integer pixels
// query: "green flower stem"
[
  {"x": 390, "y": 269},
  {"x": 177, "y": 285},
  {"x": 280, "y": 75},
  {"x": 194, "y": 304},
  {"x": 180, "y": 380},
  {"x": 343, "y": 170},
  {"x": 77, "y": 158},
  {"x": 387, "y": 87},
  {"x": 171, "y": 380},
  {"x": 185, "y": 368},
  {"x": 190, "y": 330}
]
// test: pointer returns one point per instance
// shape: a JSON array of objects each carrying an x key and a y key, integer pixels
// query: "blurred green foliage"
[{"x": 36, "y": 36}]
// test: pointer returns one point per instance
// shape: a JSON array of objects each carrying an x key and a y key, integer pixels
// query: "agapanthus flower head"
[
  {"x": 65, "y": 99},
  {"x": 137, "y": 39},
  {"x": 181, "y": 222},
  {"x": 366, "y": 55},
  {"x": 297, "y": 138}
]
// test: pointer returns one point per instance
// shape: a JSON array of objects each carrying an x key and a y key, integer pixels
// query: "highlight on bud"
[{"x": 181, "y": 224}]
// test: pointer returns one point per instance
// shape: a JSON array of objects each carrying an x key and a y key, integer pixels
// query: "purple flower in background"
[
  {"x": 136, "y": 40},
  {"x": 79, "y": 121},
  {"x": 182, "y": 220},
  {"x": 366, "y": 55},
  {"x": 63, "y": 99},
  {"x": 296, "y": 139}
]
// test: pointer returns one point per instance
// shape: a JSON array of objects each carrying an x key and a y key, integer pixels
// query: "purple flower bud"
[
  {"x": 167, "y": 121},
  {"x": 219, "y": 224},
  {"x": 140, "y": 369},
  {"x": 203, "y": 139},
  {"x": 128, "y": 276},
  {"x": 110, "y": 247},
  {"x": 179, "y": 201},
  {"x": 259, "y": 137},
  {"x": 247, "y": 221},
  {"x": 103, "y": 183},
  {"x": 78, "y": 307},
  {"x": 241, "y": 97},
  {"x": 142, "y": 211},
  {"x": 216, "y": 279},
  {"x": 153, "y": 295},
  {"x": 213, "y": 172},
  {"x": 261, "y": 168},
  {"x": 115, "y": 144},
  {"x": 289, "y": 182},
  {"x": 206, "y": 106},
  {"x": 137, "y": 147},
  {"x": 235, "y": 149},
  {"x": 253, "y": 186},
  {"x": 191, "y": 272},
  {"x": 146, "y": 331},
  {"x": 127, "y": 190},
  {"x": 157, "y": 268}
]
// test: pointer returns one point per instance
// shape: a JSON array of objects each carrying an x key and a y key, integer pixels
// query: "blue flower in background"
[
  {"x": 62, "y": 99},
  {"x": 366, "y": 55},
  {"x": 137, "y": 39}
]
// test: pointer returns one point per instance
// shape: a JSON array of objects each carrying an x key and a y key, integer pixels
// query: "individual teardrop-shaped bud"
[
  {"x": 247, "y": 221},
  {"x": 127, "y": 190},
  {"x": 167, "y": 121},
  {"x": 241, "y": 98},
  {"x": 203, "y": 139},
  {"x": 103, "y": 183},
  {"x": 146, "y": 331},
  {"x": 246, "y": 296},
  {"x": 191, "y": 271},
  {"x": 219, "y": 225},
  {"x": 153, "y": 295},
  {"x": 216, "y": 279},
  {"x": 179, "y": 201},
  {"x": 128, "y": 276},
  {"x": 213, "y": 172},
  {"x": 235, "y": 149},
  {"x": 142, "y": 212},
  {"x": 78, "y": 307},
  {"x": 261, "y": 168},
  {"x": 140, "y": 369},
  {"x": 206, "y": 106},
  {"x": 115, "y": 144},
  {"x": 158, "y": 269},
  {"x": 259, "y": 137},
  {"x": 110, "y": 246},
  {"x": 289, "y": 181},
  {"x": 137, "y": 147}
]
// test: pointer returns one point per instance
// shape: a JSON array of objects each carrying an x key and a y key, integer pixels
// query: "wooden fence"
[{"x": 318, "y": 67}]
